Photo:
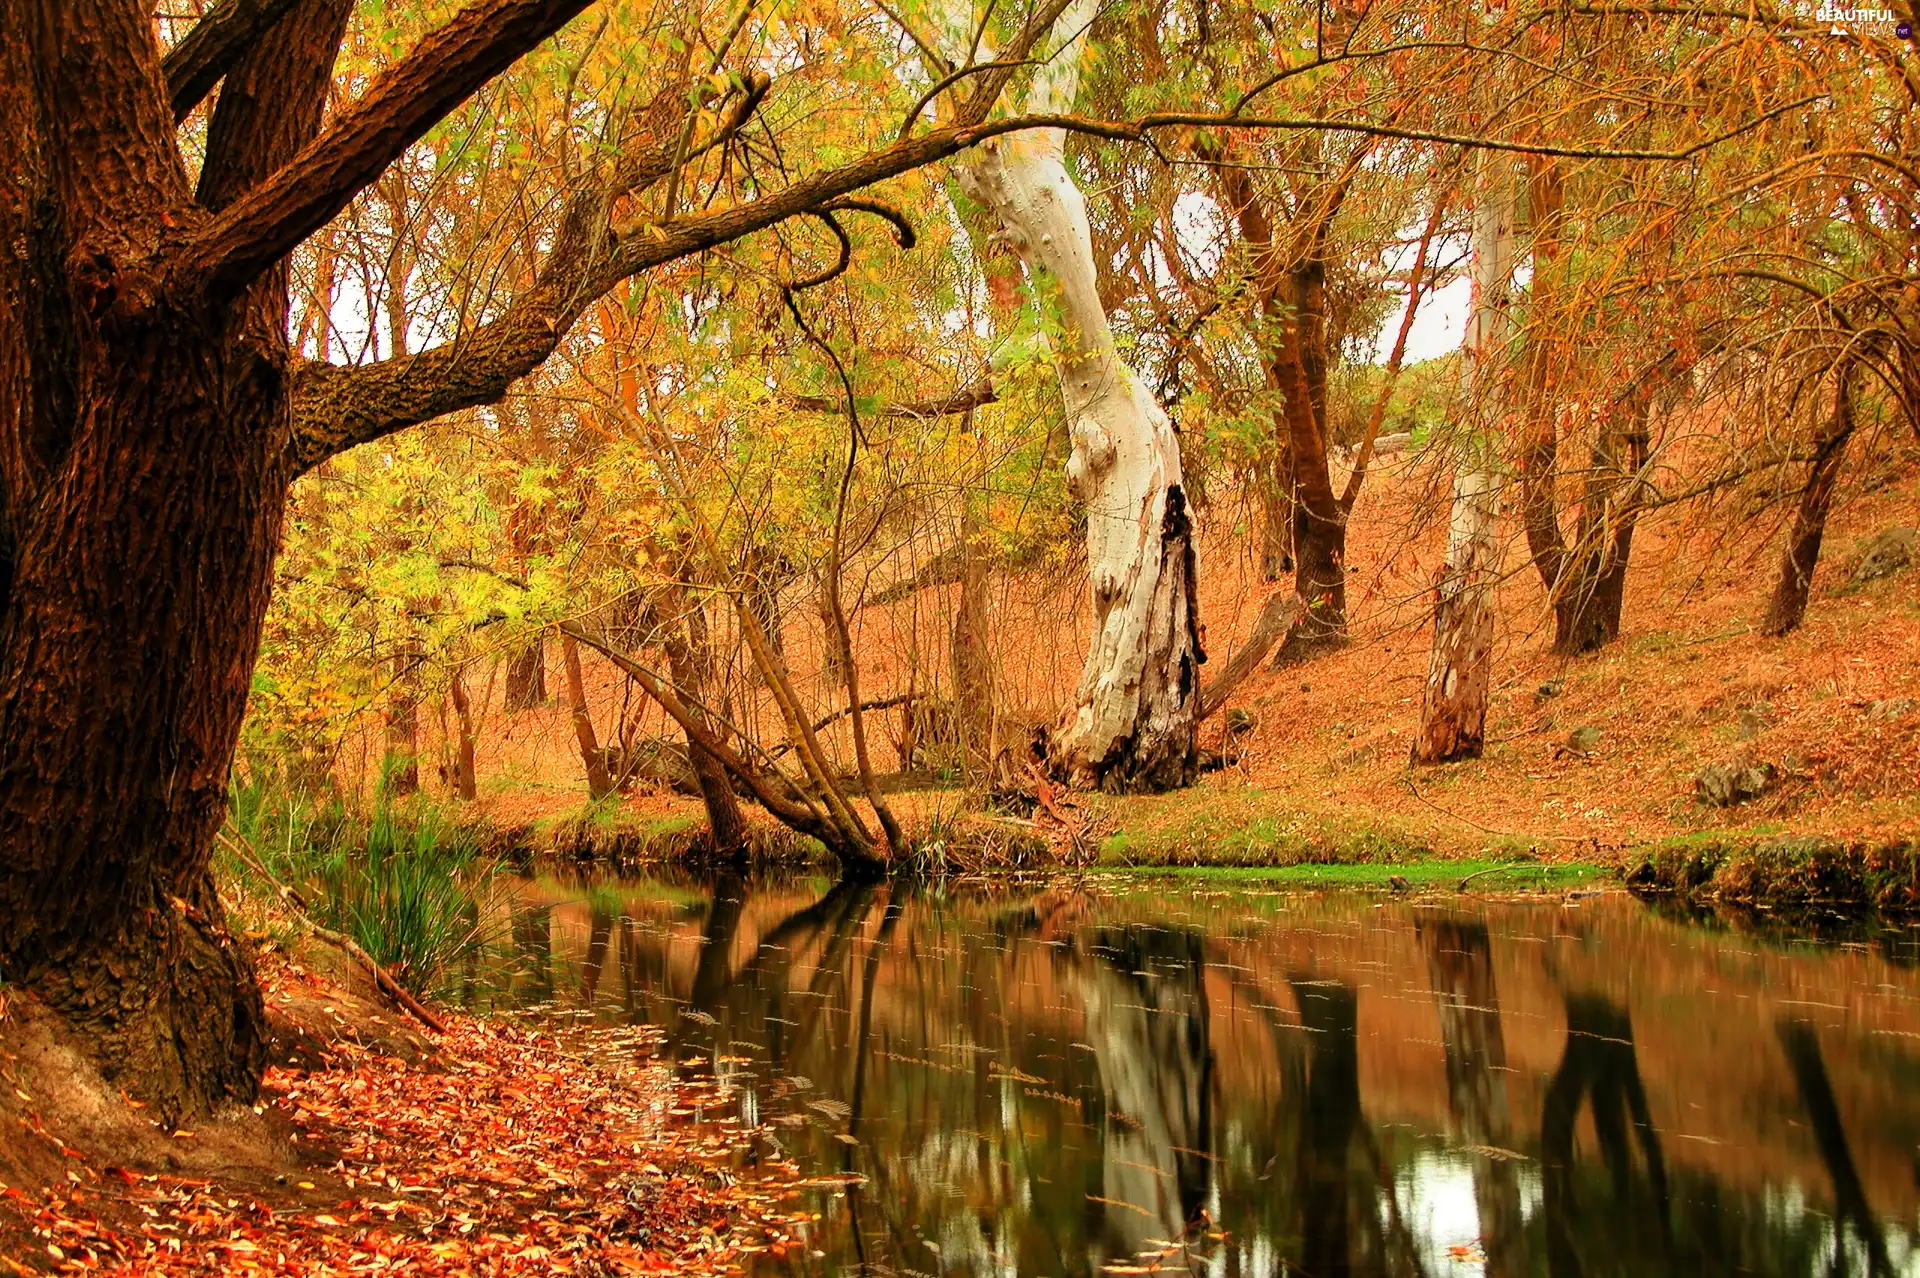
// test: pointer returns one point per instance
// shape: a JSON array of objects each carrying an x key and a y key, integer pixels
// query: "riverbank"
[{"x": 498, "y": 1147}]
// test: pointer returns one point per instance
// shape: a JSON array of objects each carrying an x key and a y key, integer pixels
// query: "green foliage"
[{"x": 401, "y": 879}]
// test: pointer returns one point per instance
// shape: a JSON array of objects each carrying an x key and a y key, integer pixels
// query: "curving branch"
[
  {"x": 441, "y": 72},
  {"x": 206, "y": 53},
  {"x": 336, "y": 408}
]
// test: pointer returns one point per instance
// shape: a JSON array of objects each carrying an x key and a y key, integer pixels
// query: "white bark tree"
[
  {"x": 1453, "y": 716},
  {"x": 1139, "y": 695}
]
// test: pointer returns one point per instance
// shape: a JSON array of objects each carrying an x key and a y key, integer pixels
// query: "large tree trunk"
[
  {"x": 143, "y": 474},
  {"x": 1138, "y": 697},
  {"x": 1790, "y": 592},
  {"x": 1453, "y": 714},
  {"x": 592, "y": 757}
]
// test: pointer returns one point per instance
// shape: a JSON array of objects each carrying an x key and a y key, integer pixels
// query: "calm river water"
[{"x": 1184, "y": 1076}]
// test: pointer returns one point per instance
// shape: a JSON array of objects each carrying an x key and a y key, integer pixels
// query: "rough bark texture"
[
  {"x": 151, "y": 420},
  {"x": 1453, "y": 714},
  {"x": 142, "y": 480},
  {"x": 1790, "y": 592},
  {"x": 1138, "y": 697}
]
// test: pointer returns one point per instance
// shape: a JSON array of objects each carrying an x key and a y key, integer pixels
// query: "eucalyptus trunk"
[
  {"x": 1453, "y": 715},
  {"x": 1138, "y": 698}
]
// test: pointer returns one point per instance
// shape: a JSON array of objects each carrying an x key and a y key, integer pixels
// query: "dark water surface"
[{"x": 1183, "y": 1076}]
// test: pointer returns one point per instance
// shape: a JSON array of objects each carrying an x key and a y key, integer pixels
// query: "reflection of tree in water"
[
  {"x": 601, "y": 910},
  {"x": 1460, "y": 966},
  {"x": 1600, "y": 1067},
  {"x": 1146, "y": 1008},
  {"x": 532, "y": 928},
  {"x": 1349, "y": 1219},
  {"x": 1802, "y": 1046}
]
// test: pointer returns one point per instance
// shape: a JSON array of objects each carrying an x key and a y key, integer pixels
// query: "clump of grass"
[{"x": 402, "y": 879}]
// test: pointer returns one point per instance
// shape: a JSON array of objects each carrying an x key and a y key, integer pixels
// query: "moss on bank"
[
  {"x": 1503, "y": 875},
  {"x": 1783, "y": 872}
]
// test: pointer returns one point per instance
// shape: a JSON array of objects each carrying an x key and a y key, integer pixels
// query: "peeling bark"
[
  {"x": 1138, "y": 696},
  {"x": 1453, "y": 715}
]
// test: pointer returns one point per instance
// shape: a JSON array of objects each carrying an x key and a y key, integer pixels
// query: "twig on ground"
[{"x": 383, "y": 980}]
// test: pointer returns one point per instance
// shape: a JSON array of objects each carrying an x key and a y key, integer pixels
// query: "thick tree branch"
[
  {"x": 445, "y": 69},
  {"x": 209, "y": 51}
]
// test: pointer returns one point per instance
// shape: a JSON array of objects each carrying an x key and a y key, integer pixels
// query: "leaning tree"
[{"x": 153, "y": 416}]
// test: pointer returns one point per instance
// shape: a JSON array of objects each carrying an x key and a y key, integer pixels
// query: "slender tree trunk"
[
  {"x": 1592, "y": 593},
  {"x": 690, "y": 662},
  {"x": 599, "y": 780},
  {"x": 1292, "y": 288},
  {"x": 1274, "y": 483},
  {"x": 1585, "y": 581},
  {"x": 401, "y": 773},
  {"x": 465, "y": 780},
  {"x": 1790, "y": 592},
  {"x": 1453, "y": 714},
  {"x": 1133, "y": 726},
  {"x": 972, "y": 654}
]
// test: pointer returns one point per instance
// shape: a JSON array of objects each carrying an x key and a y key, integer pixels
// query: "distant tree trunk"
[
  {"x": 1453, "y": 715},
  {"x": 599, "y": 780},
  {"x": 1789, "y": 603},
  {"x": 1585, "y": 581},
  {"x": 1133, "y": 726},
  {"x": 690, "y": 662},
  {"x": 972, "y": 654},
  {"x": 401, "y": 773},
  {"x": 1291, "y": 283},
  {"x": 527, "y": 676},
  {"x": 465, "y": 780}
]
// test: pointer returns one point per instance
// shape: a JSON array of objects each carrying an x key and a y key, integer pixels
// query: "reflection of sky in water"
[{"x": 1176, "y": 1078}]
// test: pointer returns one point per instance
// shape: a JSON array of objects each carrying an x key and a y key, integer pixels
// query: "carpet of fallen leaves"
[{"x": 516, "y": 1152}]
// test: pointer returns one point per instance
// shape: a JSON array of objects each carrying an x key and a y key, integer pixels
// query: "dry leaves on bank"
[{"x": 525, "y": 1154}]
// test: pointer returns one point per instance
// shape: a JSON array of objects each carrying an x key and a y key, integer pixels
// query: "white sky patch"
[
  {"x": 1438, "y": 327},
  {"x": 1435, "y": 1193}
]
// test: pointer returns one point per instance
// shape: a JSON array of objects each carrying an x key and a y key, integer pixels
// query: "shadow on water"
[{"x": 1088, "y": 1078}]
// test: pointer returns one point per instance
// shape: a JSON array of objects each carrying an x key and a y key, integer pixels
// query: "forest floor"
[
  {"x": 498, "y": 1147},
  {"x": 1588, "y": 759}
]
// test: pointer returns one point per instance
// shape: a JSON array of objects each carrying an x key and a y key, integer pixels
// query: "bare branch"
[{"x": 446, "y": 68}]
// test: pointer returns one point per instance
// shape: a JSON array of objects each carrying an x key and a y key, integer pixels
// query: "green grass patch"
[
  {"x": 1427, "y": 873},
  {"x": 403, "y": 879}
]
